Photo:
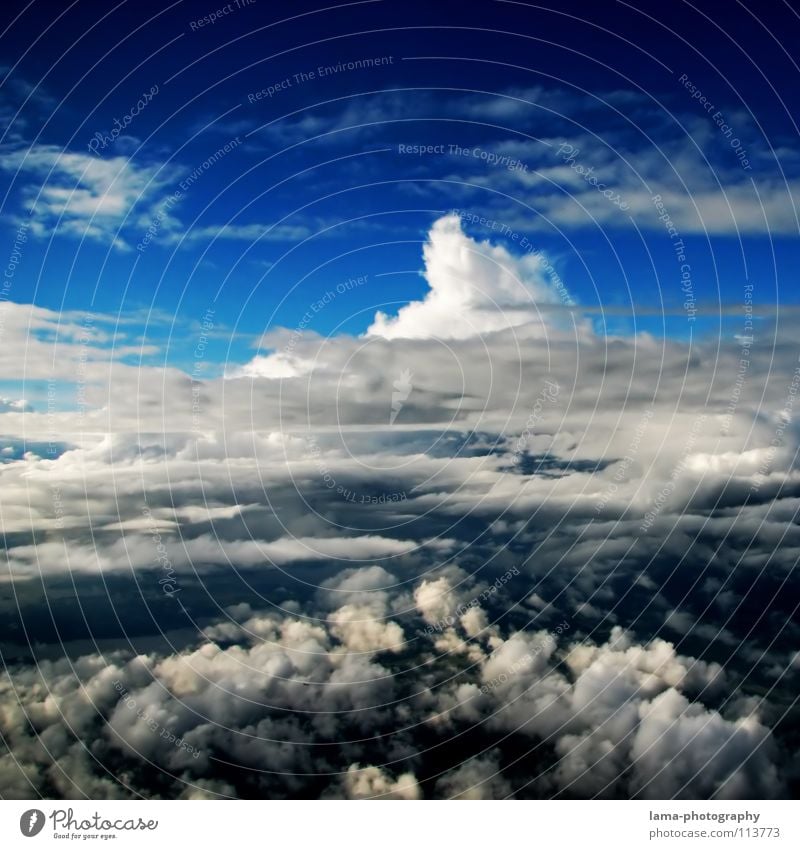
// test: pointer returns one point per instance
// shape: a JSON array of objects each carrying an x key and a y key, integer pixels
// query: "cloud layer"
[
  {"x": 354, "y": 700},
  {"x": 477, "y": 552}
]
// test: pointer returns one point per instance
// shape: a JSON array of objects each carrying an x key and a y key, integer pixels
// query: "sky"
[{"x": 397, "y": 399}]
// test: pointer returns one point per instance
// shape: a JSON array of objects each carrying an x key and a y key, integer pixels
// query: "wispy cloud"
[{"x": 85, "y": 196}]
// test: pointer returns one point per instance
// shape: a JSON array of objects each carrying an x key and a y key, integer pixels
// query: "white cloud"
[
  {"x": 10, "y": 405},
  {"x": 436, "y": 600},
  {"x": 243, "y": 232},
  {"x": 475, "y": 288},
  {"x": 88, "y": 197},
  {"x": 270, "y": 692},
  {"x": 372, "y": 782}
]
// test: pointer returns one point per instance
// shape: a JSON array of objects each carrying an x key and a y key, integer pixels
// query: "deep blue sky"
[{"x": 306, "y": 213}]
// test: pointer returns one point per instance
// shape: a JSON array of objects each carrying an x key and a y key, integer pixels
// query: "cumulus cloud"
[
  {"x": 86, "y": 196},
  {"x": 372, "y": 782},
  {"x": 475, "y": 288},
  {"x": 298, "y": 706},
  {"x": 336, "y": 569}
]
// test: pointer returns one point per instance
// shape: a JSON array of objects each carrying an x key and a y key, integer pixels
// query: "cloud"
[
  {"x": 435, "y": 600},
  {"x": 634, "y": 144},
  {"x": 85, "y": 196},
  {"x": 372, "y": 782},
  {"x": 564, "y": 182},
  {"x": 9, "y": 405},
  {"x": 478, "y": 778},
  {"x": 338, "y": 569},
  {"x": 244, "y": 232},
  {"x": 475, "y": 288},
  {"x": 139, "y": 551},
  {"x": 292, "y": 703}
]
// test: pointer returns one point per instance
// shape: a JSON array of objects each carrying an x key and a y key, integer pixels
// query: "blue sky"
[{"x": 316, "y": 190}]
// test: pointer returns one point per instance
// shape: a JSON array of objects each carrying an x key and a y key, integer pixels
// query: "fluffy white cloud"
[
  {"x": 10, "y": 405},
  {"x": 371, "y": 782},
  {"x": 436, "y": 601},
  {"x": 475, "y": 288}
]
